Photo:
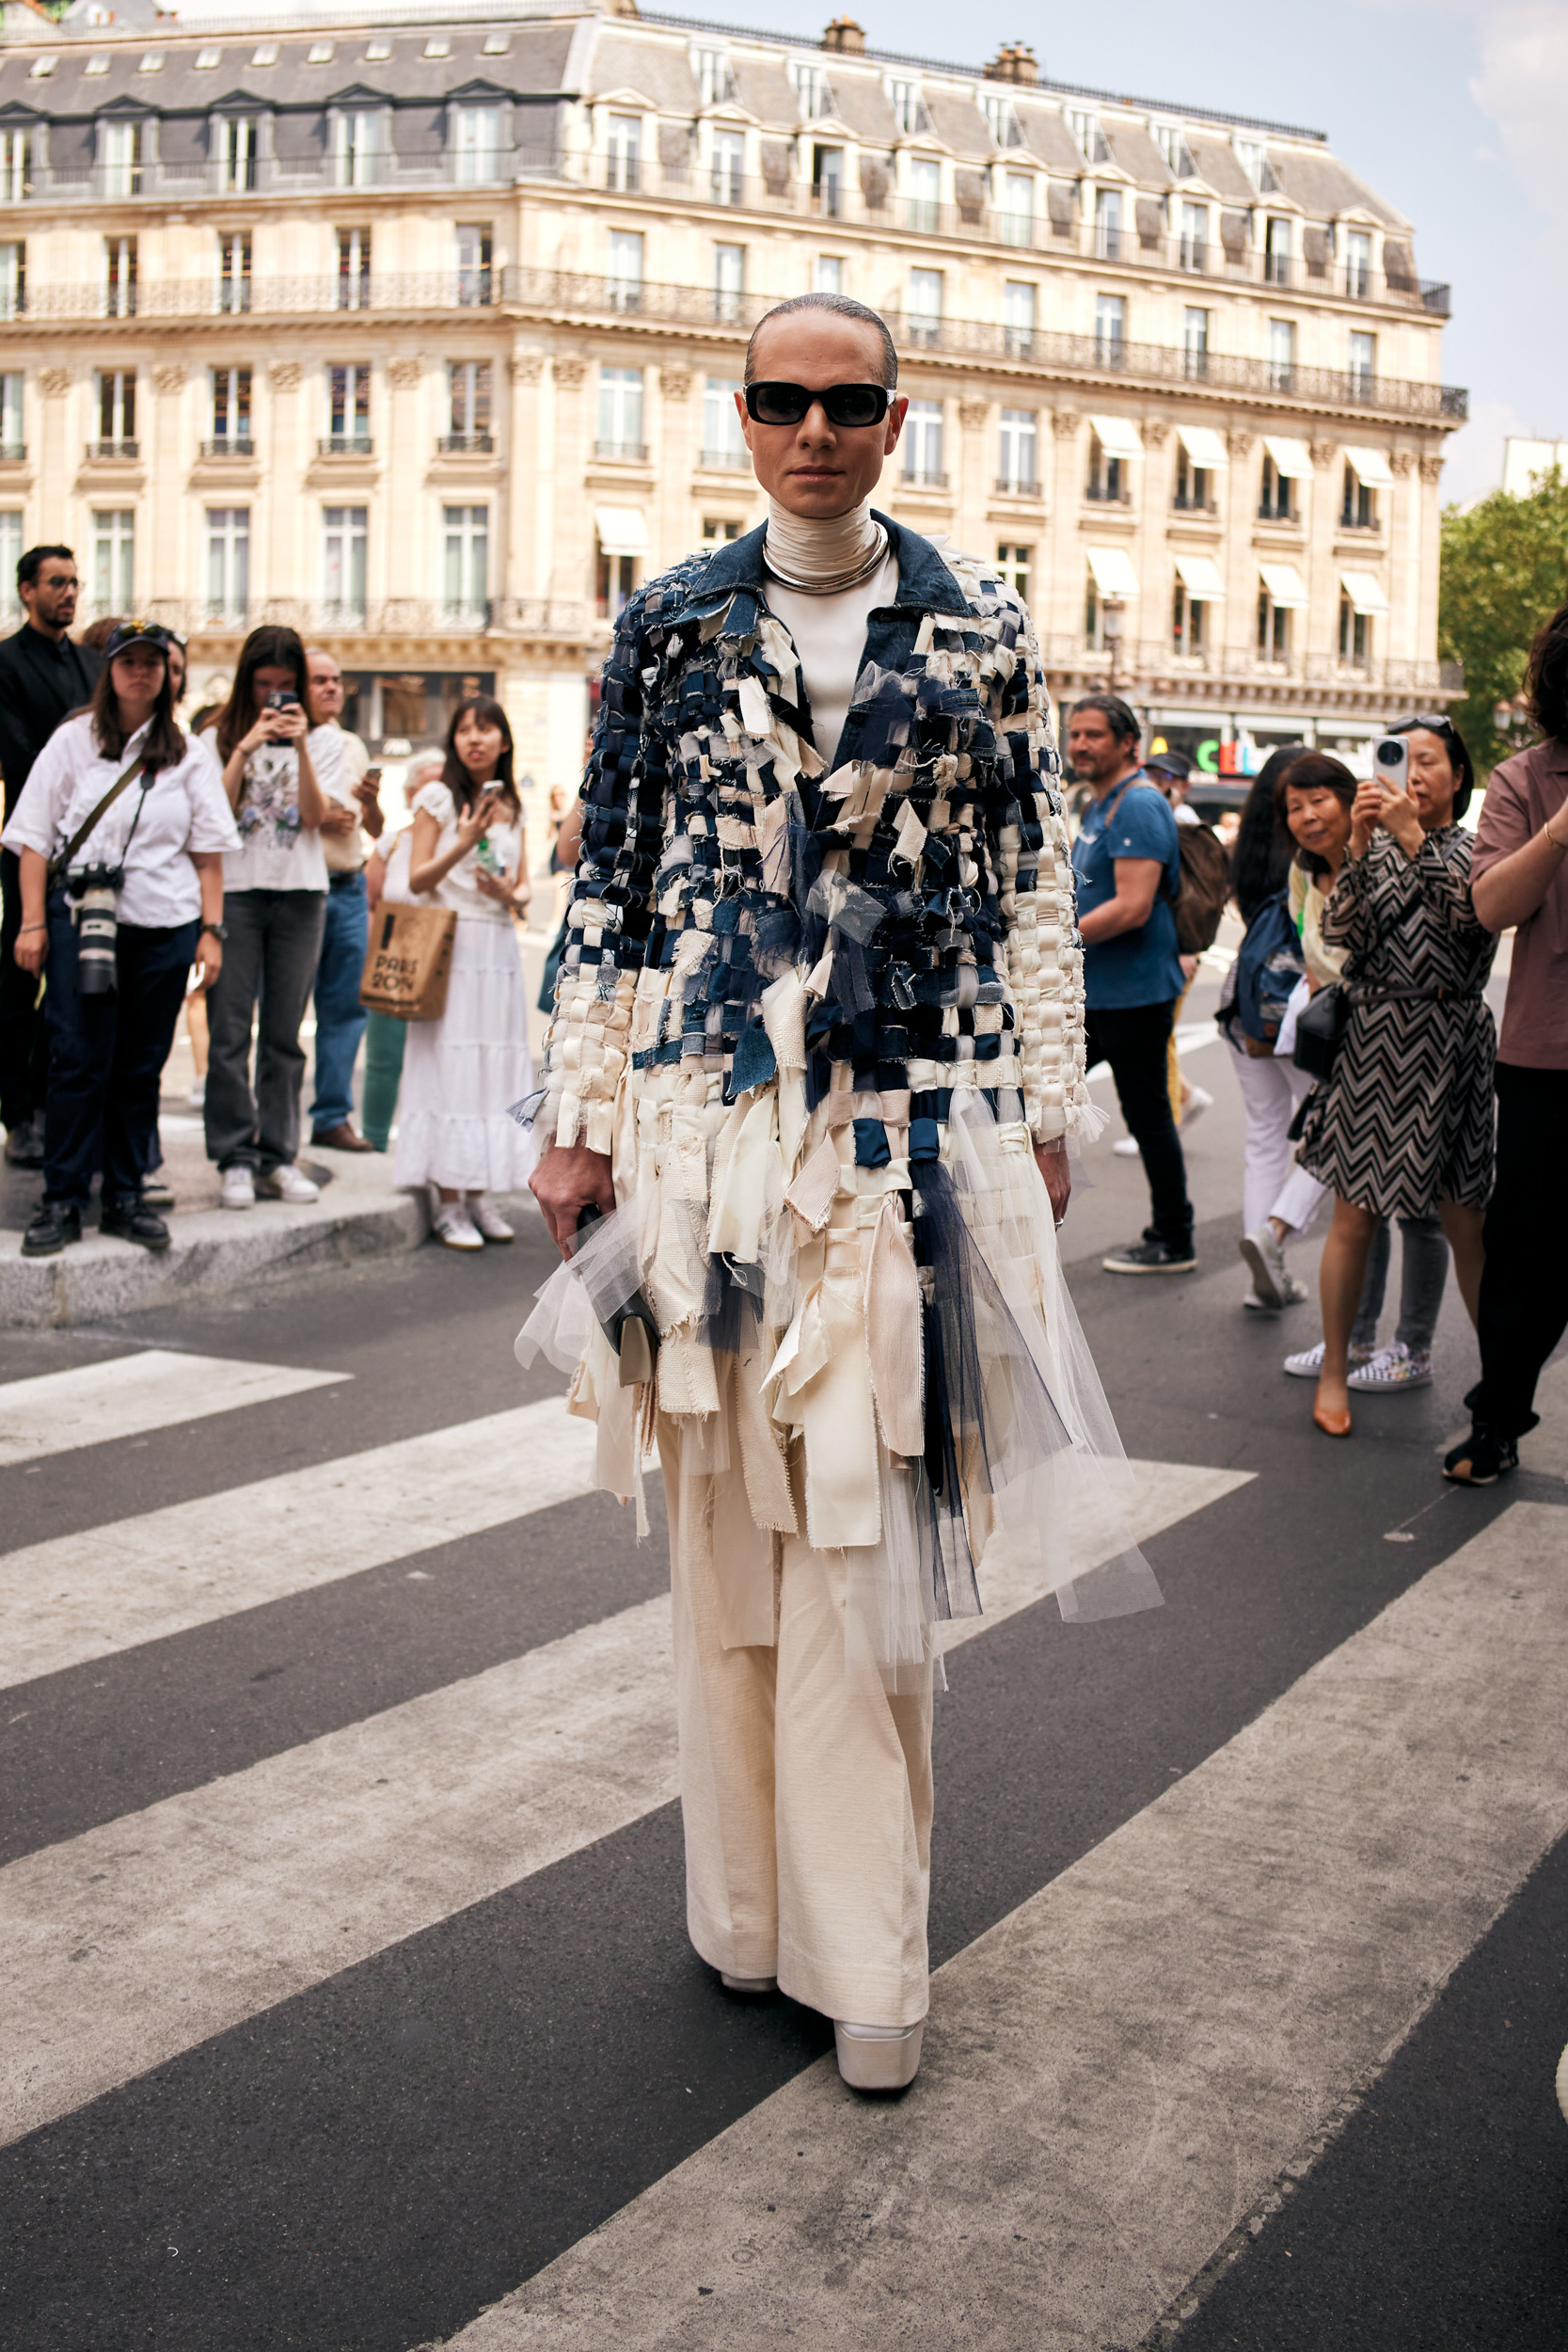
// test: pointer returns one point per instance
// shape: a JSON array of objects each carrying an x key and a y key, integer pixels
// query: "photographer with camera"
[
  {"x": 281, "y": 775},
  {"x": 120, "y": 833}
]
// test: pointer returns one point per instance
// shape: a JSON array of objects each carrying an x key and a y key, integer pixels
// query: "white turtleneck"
[{"x": 829, "y": 631}]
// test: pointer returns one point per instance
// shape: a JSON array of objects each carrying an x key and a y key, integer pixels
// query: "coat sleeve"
[
  {"x": 1039, "y": 910},
  {"x": 611, "y": 927}
]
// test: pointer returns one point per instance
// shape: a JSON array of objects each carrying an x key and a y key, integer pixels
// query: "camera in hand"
[
  {"x": 1392, "y": 762},
  {"x": 94, "y": 891}
]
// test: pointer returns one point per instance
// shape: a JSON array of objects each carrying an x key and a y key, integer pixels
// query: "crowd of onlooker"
[
  {"x": 227, "y": 864},
  {"x": 1354, "y": 1012}
]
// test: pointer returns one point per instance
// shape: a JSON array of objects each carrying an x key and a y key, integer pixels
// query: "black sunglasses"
[{"x": 843, "y": 404}]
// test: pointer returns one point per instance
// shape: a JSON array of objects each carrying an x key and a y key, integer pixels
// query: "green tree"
[{"x": 1505, "y": 571}]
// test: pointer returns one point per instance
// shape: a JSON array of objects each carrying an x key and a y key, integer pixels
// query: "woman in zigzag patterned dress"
[{"x": 1404, "y": 1124}]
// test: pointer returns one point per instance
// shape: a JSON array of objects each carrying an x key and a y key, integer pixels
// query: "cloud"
[{"x": 1523, "y": 88}]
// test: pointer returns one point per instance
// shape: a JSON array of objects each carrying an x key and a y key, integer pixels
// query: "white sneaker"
[
  {"x": 1294, "y": 1293},
  {"x": 1127, "y": 1148},
  {"x": 1308, "y": 1365},
  {"x": 879, "y": 2057},
  {"x": 490, "y": 1221},
  {"x": 1266, "y": 1264},
  {"x": 455, "y": 1228},
  {"x": 1393, "y": 1367},
  {"x": 1198, "y": 1101},
  {"x": 285, "y": 1183},
  {"x": 239, "y": 1189}
]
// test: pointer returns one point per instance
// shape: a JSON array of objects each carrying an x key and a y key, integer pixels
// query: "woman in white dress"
[{"x": 463, "y": 1075}]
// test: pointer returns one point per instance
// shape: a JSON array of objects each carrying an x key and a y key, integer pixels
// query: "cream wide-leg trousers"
[{"x": 806, "y": 1795}]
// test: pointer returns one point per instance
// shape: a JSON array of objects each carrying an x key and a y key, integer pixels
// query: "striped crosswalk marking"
[
  {"x": 1116, "y": 2073},
  {"x": 139, "y": 1938},
  {"x": 130, "y": 1394},
  {"x": 75, "y": 1597}
]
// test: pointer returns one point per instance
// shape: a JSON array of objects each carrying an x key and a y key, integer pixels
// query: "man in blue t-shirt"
[{"x": 1128, "y": 870}]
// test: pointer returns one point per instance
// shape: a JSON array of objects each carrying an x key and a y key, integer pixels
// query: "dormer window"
[
  {"x": 476, "y": 139},
  {"x": 357, "y": 147},
  {"x": 714, "y": 77},
  {"x": 234, "y": 148},
  {"x": 319, "y": 52},
  {"x": 907, "y": 110},
  {"x": 1001, "y": 119},
  {"x": 153, "y": 62},
  {"x": 438, "y": 45},
  {"x": 812, "y": 94},
  {"x": 120, "y": 155},
  {"x": 207, "y": 58},
  {"x": 99, "y": 64},
  {"x": 265, "y": 53},
  {"x": 1085, "y": 129},
  {"x": 496, "y": 45},
  {"x": 378, "y": 51},
  {"x": 1171, "y": 140},
  {"x": 42, "y": 69}
]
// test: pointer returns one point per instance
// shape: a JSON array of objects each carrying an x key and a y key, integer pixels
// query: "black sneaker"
[
  {"x": 131, "y": 1221},
  {"x": 56, "y": 1223},
  {"x": 1151, "y": 1256},
  {"x": 1483, "y": 1458}
]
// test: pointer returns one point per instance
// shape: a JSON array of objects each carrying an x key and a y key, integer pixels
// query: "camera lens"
[{"x": 1391, "y": 754}]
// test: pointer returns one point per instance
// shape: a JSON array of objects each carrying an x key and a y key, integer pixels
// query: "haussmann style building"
[{"x": 419, "y": 328}]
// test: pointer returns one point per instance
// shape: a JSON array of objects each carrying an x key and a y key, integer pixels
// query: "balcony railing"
[
  {"x": 276, "y": 175},
  {"x": 726, "y": 460},
  {"x": 1017, "y": 486},
  {"x": 13, "y": 453},
  {"x": 922, "y": 478},
  {"x": 101, "y": 451},
  {"x": 228, "y": 445},
  {"x": 345, "y": 445},
  {"x": 1149, "y": 659},
  {"x": 466, "y": 444},
  {"x": 398, "y": 616},
  {"x": 622, "y": 452}
]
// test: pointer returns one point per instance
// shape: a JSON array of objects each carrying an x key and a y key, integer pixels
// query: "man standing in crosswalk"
[{"x": 816, "y": 1053}]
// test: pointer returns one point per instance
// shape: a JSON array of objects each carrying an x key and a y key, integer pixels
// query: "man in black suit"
[{"x": 43, "y": 676}]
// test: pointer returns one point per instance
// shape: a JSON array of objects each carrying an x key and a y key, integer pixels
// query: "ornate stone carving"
[
  {"x": 676, "y": 383},
  {"x": 54, "y": 383},
  {"x": 1432, "y": 468},
  {"x": 527, "y": 366},
  {"x": 1238, "y": 443},
  {"x": 972, "y": 414},
  {"x": 569, "y": 370},
  {"x": 1400, "y": 460},
  {"x": 1065, "y": 423},
  {"x": 287, "y": 375},
  {"x": 406, "y": 372},
  {"x": 1324, "y": 453},
  {"x": 1156, "y": 433},
  {"x": 170, "y": 378}
]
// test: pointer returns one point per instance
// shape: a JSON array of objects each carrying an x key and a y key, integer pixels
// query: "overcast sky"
[{"x": 1456, "y": 110}]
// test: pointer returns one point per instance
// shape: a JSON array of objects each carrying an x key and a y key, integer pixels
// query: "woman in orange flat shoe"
[{"x": 1403, "y": 1124}]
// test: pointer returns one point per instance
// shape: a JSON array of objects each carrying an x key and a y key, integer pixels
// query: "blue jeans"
[
  {"x": 1424, "y": 1270},
  {"x": 106, "y": 1057},
  {"x": 339, "y": 1015}
]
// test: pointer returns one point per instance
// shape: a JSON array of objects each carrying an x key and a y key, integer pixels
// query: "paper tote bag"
[{"x": 408, "y": 961}]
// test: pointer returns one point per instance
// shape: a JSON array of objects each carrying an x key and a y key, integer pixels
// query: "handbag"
[
  {"x": 408, "y": 961},
  {"x": 1320, "y": 1026}
]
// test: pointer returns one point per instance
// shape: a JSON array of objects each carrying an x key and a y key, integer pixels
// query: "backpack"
[
  {"x": 1205, "y": 888},
  {"x": 1268, "y": 966}
]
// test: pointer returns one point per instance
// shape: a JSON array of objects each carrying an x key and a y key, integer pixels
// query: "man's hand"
[
  {"x": 1052, "y": 1161},
  {"x": 568, "y": 1180},
  {"x": 367, "y": 792},
  {"x": 338, "y": 819}
]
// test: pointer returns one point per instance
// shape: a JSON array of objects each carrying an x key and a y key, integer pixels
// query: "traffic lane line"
[{"x": 126, "y": 1396}]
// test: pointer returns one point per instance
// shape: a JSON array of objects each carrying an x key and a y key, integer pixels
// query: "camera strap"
[{"x": 58, "y": 866}]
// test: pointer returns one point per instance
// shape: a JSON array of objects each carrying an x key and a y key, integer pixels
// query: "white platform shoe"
[{"x": 879, "y": 2057}]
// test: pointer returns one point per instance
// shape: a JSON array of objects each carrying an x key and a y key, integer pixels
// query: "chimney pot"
[
  {"x": 846, "y": 36},
  {"x": 1014, "y": 63}
]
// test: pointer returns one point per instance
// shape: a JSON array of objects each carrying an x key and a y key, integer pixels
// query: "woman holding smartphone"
[
  {"x": 463, "y": 1075},
  {"x": 280, "y": 774},
  {"x": 1403, "y": 1125}
]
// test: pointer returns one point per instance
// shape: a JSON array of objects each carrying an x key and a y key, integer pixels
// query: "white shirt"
[
  {"x": 830, "y": 638},
  {"x": 276, "y": 851},
  {"x": 459, "y": 889},
  {"x": 184, "y": 810},
  {"x": 346, "y": 853}
]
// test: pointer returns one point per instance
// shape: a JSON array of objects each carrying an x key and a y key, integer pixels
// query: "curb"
[{"x": 214, "y": 1253}]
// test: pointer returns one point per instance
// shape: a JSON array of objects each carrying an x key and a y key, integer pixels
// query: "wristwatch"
[{"x": 219, "y": 931}]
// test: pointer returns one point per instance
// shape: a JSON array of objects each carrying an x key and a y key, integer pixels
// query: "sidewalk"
[{"x": 362, "y": 1214}]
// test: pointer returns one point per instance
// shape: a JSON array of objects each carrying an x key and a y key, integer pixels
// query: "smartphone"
[
  {"x": 1392, "y": 762},
  {"x": 282, "y": 699},
  {"x": 373, "y": 777}
]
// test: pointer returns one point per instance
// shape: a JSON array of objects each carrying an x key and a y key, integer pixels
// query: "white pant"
[
  {"x": 1271, "y": 1090},
  {"x": 806, "y": 1796}
]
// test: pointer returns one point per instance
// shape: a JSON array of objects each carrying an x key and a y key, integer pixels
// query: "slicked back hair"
[{"x": 842, "y": 307}]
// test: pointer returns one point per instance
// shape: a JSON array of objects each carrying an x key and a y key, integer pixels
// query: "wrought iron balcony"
[
  {"x": 466, "y": 444},
  {"x": 105, "y": 451},
  {"x": 228, "y": 445},
  {"x": 345, "y": 445}
]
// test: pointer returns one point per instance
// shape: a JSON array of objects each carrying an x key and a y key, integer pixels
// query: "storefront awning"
[
  {"x": 1285, "y": 585},
  {"x": 1201, "y": 577},
  {"x": 1371, "y": 467},
  {"x": 1364, "y": 592},
  {"x": 1292, "y": 459},
  {"x": 622, "y": 529},
  {"x": 1113, "y": 571},
  {"x": 1117, "y": 436},
  {"x": 1204, "y": 445}
]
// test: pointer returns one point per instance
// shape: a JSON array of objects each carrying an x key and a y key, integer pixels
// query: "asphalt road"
[{"x": 373, "y": 2157}]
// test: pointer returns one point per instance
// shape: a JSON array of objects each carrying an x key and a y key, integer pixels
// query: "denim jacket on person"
[{"x": 921, "y": 893}]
